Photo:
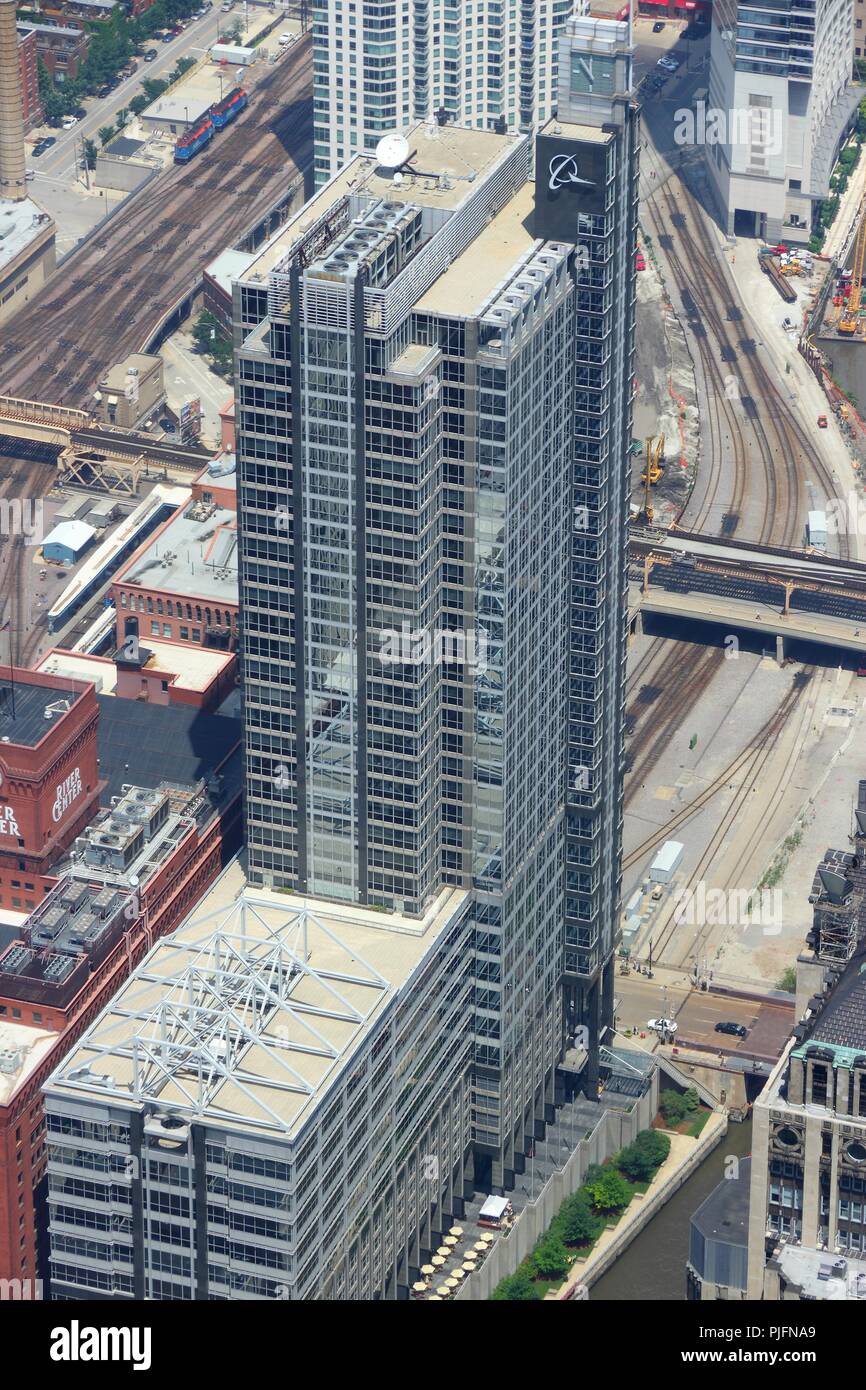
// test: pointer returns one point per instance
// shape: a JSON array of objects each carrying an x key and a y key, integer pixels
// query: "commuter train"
[
  {"x": 231, "y": 106},
  {"x": 195, "y": 139}
]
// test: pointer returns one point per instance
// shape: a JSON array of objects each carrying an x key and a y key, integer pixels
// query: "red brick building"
[
  {"x": 182, "y": 582},
  {"x": 168, "y": 846},
  {"x": 28, "y": 63},
  {"x": 62, "y": 47},
  {"x": 49, "y": 778}
]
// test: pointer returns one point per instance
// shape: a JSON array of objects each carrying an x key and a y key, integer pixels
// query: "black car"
[
  {"x": 48, "y": 142},
  {"x": 167, "y": 38},
  {"x": 38, "y": 150},
  {"x": 658, "y": 26},
  {"x": 151, "y": 55},
  {"x": 736, "y": 1029}
]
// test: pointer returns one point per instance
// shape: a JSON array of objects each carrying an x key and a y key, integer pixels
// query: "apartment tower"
[
  {"x": 384, "y": 66},
  {"x": 780, "y": 77}
]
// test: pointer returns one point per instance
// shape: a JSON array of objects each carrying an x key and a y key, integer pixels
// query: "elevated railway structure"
[
  {"x": 91, "y": 454},
  {"x": 771, "y": 589}
]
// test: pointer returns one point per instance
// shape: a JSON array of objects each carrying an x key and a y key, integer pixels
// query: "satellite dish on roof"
[{"x": 392, "y": 151}]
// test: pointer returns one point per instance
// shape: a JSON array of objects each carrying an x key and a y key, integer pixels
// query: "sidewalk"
[{"x": 842, "y": 230}]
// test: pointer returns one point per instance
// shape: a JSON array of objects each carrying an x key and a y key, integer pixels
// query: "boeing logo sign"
[
  {"x": 67, "y": 791},
  {"x": 570, "y": 182},
  {"x": 563, "y": 171}
]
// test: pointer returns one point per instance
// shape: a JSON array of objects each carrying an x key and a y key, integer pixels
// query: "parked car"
[
  {"x": 151, "y": 54},
  {"x": 167, "y": 38},
  {"x": 658, "y": 26},
  {"x": 285, "y": 39},
  {"x": 737, "y": 1030},
  {"x": 48, "y": 141},
  {"x": 640, "y": 263},
  {"x": 662, "y": 1025},
  {"x": 38, "y": 149},
  {"x": 69, "y": 121},
  {"x": 822, "y": 422}
]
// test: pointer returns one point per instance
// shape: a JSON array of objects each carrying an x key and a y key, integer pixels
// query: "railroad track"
[
  {"x": 750, "y": 764},
  {"x": 783, "y": 446},
  {"x": 775, "y": 439},
  {"x": 109, "y": 295}
]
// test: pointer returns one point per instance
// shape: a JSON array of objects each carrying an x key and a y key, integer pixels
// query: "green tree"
[
  {"x": 641, "y": 1159},
  {"x": 105, "y": 133},
  {"x": 181, "y": 66},
  {"x": 550, "y": 1258},
  {"x": 153, "y": 87},
  {"x": 788, "y": 981},
  {"x": 90, "y": 154},
  {"x": 206, "y": 330},
  {"x": 610, "y": 1192},
  {"x": 138, "y": 104},
  {"x": 578, "y": 1224},
  {"x": 122, "y": 117},
  {"x": 518, "y": 1288}
]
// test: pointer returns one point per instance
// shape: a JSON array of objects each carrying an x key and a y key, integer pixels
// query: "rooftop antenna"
[{"x": 392, "y": 152}]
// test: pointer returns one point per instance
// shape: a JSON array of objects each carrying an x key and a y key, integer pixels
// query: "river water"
[{"x": 654, "y": 1265}]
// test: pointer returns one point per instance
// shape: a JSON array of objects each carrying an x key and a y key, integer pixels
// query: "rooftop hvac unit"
[
  {"x": 10, "y": 1060},
  {"x": 16, "y": 960}
]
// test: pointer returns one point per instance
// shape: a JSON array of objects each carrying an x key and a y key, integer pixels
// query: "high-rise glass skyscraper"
[
  {"x": 434, "y": 396},
  {"x": 382, "y": 66}
]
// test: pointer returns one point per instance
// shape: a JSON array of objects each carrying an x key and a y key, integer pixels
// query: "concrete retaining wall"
[{"x": 615, "y": 1129}]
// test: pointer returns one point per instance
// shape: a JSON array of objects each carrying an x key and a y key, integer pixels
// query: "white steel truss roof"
[{"x": 249, "y": 984}]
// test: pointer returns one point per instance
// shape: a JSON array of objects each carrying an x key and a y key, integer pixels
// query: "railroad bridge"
[
  {"x": 90, "y": 453},
  {"x": 798, "y": 594}
]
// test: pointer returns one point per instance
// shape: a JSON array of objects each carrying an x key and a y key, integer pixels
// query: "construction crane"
[
  {"x": 850, "y": 320},
  {"x": 653, "y": 455}
]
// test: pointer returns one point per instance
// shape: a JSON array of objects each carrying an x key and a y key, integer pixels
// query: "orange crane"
[{"x": 850, "y": 320}]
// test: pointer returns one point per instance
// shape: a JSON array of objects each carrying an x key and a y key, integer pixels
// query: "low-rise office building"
[
  {"x": 254, "y": 1093},
  {"x": 131, "y": 876},
  {"x": 131, "y": 390}
]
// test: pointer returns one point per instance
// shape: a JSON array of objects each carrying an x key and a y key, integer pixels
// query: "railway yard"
[
  {"x": 111, "y": 294},
  {"x": 728, "y": 756}
]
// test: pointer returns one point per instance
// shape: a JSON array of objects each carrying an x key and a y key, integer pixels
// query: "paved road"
[{"x": 60, "y": 161}]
